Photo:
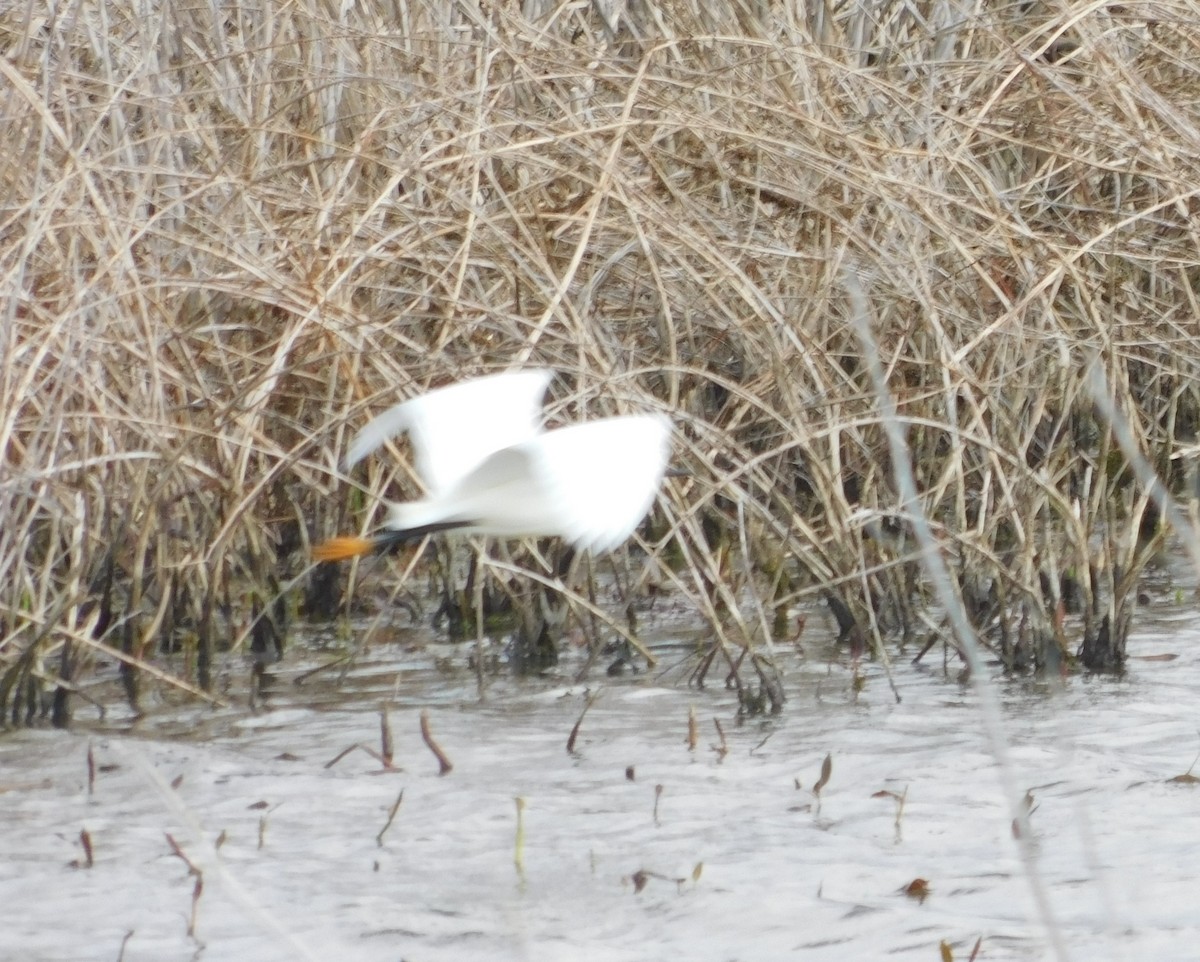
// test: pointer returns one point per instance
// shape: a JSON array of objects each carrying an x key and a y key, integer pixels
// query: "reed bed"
[{"x": 232, "y": 232}]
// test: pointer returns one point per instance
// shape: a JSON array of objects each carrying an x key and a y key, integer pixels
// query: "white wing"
[
  {"x": 453, "y": 429},
  {"x": 589, "y": 483},
  {"x": 601, "y": 477}
]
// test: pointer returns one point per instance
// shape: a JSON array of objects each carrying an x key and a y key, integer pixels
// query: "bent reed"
[{"x": 233, "y": 232}]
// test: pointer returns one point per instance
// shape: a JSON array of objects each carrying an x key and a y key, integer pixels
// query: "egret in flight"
[{"x": 490, "y": 468}]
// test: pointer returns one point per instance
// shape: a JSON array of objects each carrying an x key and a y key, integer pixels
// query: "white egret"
[{"x": 489, "y": 468}]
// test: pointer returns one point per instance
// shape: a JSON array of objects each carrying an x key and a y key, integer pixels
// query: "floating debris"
[
  {"x": 519, "y": 844},
  {"x": 391, "y": 815},
  {"x": 917, "y": 889},
  {"x": 444, "y": 766}
]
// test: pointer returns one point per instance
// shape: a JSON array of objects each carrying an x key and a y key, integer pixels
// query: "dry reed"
[{"x": 231, "y": 232}]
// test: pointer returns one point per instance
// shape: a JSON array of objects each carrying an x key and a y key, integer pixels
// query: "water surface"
[{"x": 740, "y": 860}]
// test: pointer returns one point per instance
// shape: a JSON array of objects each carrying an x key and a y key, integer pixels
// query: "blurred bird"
[{"x": 489, "y": 468}]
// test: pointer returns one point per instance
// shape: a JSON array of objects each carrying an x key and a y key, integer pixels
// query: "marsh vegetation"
[{"x": 233, "y": 232}]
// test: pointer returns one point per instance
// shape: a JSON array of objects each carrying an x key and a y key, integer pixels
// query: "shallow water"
[{"x": 300, "y": 874}]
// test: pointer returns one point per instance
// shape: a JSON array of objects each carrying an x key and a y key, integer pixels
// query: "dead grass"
[{"x": 232, "y": 232}]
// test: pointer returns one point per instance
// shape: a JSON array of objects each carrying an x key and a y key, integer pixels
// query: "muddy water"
[{"x": 739, "y": 860}]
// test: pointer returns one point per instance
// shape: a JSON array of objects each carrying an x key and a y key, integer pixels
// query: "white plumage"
[
  {"x": 489, "y": 467},
  {"x": 453, "y": 428}
]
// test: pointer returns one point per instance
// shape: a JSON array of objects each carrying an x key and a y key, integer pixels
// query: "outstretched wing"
[
  {"x": 453, "y": 429},
  {"x": 601, "y": 477}
]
